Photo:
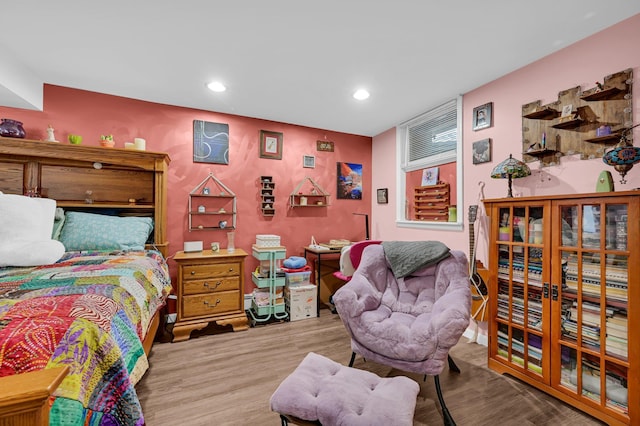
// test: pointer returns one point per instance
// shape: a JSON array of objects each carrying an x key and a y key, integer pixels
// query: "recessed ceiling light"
[
  {"x": 361, "y": 94},
  {"x": 216, "y": 86}
]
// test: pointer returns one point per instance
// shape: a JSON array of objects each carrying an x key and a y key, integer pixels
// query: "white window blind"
[{"x": 431, "y": 139}]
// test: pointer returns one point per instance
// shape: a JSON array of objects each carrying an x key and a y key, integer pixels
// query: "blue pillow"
[
  {"x": 89, "y": 231},
  {"x": 295, "y": 262}
]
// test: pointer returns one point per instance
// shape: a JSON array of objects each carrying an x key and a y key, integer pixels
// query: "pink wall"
[
  {"x": 612, "y": 50},
  {"x": 170, "y": 129}
]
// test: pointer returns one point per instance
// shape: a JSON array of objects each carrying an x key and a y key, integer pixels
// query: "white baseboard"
[
  {"x": 481, "y": 339},
  {"x": 247, "y": 301}
]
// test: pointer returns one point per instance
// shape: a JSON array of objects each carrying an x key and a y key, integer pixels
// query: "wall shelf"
[
  {"x": 609, "y": 104},
  {"x": 267, "y": 197},
  {"x": 315, "y": 196},
  {"x": 212, "y": 201}
]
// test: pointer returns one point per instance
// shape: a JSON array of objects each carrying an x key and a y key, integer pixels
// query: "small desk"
[{"x": 318, "y": 254}]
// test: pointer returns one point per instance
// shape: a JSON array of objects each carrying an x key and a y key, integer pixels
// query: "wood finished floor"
[{"x": 227, "y": 379}]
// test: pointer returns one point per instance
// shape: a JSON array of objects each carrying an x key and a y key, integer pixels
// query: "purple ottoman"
[{"x": 321, "y": 390}]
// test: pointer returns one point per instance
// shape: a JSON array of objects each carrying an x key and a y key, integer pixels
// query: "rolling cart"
[{"x": 275, "y": 308}]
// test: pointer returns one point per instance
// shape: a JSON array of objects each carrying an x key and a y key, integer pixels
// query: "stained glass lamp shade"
[
  {"x": 510, "y": 168},
  {"x": 623, "y": 156}
]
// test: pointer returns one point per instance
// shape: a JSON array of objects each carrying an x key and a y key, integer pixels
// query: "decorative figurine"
[{"x": 50, "y": 135}]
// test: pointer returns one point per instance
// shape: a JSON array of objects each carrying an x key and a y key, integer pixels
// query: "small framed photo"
[
  {"x": 383, "y": 196},
  {"x": 205, "y": 190},
  {"x": 483, "y": 116},
  {"x": 566, "y": 110},
  {"x": 309, "y": 161},
  {"x": 481, "y": 151},
  {"x": 271, "y": 145}
]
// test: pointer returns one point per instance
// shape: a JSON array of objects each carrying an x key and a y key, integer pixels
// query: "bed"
[{"x": 90, "y": 309}]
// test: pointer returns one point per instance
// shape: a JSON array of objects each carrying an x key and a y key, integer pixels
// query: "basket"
[{"x": 266, "y": 240}]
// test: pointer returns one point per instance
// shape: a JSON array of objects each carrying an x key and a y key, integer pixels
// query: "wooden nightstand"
[{"x": 210, "y": 290}]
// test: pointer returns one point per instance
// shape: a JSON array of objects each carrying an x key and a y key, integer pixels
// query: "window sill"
[{"x": 440, "y": 226}]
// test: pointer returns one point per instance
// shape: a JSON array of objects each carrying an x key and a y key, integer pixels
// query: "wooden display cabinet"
[{"x": 564, "y": 288}]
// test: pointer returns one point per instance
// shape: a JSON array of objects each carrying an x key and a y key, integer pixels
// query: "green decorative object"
[{"x": 605, "y": 182}]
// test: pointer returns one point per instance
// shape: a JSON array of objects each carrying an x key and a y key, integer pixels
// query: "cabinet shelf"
[
  {"x": 613, "y": 137},
  {"x": 603, "y": 95},
  {"x": 569, "y": 124},
  {"x": 540, "y": 152},
  {"x": 543, "y": 114}
]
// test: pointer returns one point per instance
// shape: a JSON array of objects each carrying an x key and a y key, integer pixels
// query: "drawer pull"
[
  {"x": 193, "y": 272},
  {"x": 206, "y": 302},
  {"x": 230, "y": 269},
  {"x": 216, "y": 285}
]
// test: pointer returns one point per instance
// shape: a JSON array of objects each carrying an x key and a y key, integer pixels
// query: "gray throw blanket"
[{"x": 406, "y": 257}]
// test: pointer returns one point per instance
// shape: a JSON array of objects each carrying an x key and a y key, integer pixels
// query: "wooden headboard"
[{"x": 90, "y": 179}]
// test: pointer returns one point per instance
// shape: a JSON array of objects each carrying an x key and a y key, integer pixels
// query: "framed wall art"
[
  {"x": 483, "y": 116},
  {"x": 309, "y": 161},
  {"x": 210, "y": 142},
  {"x": 383, "y": 196},
  {"x": 481, "y": 151},
  {"x": 349, "y": 181},
  {"x": 271, "y": 145}
]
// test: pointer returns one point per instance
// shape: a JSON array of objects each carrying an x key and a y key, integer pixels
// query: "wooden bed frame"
[{"x": 88, "y": 179}]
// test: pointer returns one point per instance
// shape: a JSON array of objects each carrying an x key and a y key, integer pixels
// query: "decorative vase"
[{"x": 11, "y": 128}]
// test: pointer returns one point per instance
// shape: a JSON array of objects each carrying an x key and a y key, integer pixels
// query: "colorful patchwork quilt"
[{"x": 89, "y": 311}]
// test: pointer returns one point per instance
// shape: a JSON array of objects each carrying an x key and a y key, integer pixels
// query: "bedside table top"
[{"x": 208, "y": 254}]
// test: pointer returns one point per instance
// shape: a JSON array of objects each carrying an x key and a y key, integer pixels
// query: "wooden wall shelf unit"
[
  {"x": 89, "y": 179},
  {"x": 267, "y": 197},
  {"x": 609, "y": 104},
  {"x": 210, "y": 203},
  {"x": 564, "y": 298},
  {"x": 432, "y": 202},
  {"x": 314, "y": 196}
]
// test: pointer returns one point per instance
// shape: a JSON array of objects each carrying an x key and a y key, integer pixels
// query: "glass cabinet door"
[
  {"x": 520, "y": 301},
  {"x": 589, "y": 292}
]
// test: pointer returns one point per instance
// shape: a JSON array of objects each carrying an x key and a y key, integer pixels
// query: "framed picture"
[
  {"x": 309, "y": 161},
  {"x": 430, "y": 176},
  {"x": 481, "y": 151},
  {"x": 210, "y": 142},
  {"x": 383, "y": 196},
  {"x": 482, "y": 116},
  {"x": 566, "y": 110},
  {"x": 324, "y": 145},
  {"x": 349, "y": 181},
  {"x": 270, "y": 145}
]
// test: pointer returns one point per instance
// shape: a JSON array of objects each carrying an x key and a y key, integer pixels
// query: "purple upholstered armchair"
[{"x": 406, "y": 305}]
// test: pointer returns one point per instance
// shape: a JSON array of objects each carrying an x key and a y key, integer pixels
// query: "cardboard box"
[{"x": 301, "y": 301}]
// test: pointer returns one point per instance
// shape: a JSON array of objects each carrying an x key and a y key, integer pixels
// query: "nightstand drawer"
[
  {"x": 210, "y": 304},
  {"x": 210, "y": 285},
  {"x": 198, "y": 272}
]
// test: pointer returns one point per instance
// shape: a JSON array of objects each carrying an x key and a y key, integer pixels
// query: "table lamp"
[
  {"x": 623, "y": 156},
  {"x": 510, "y": 169}
]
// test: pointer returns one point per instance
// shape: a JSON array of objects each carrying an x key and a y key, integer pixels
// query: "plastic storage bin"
[{"x": 293, "y": 278}]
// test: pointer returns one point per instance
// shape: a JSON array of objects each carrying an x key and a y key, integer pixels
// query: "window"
[{"x": 430, "y": 140}]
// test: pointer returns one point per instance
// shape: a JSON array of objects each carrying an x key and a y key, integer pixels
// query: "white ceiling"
[{"x": 292, "y": 61}]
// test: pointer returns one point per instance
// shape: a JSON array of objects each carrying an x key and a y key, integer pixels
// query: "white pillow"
[{"x": 26, "y": 225}]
